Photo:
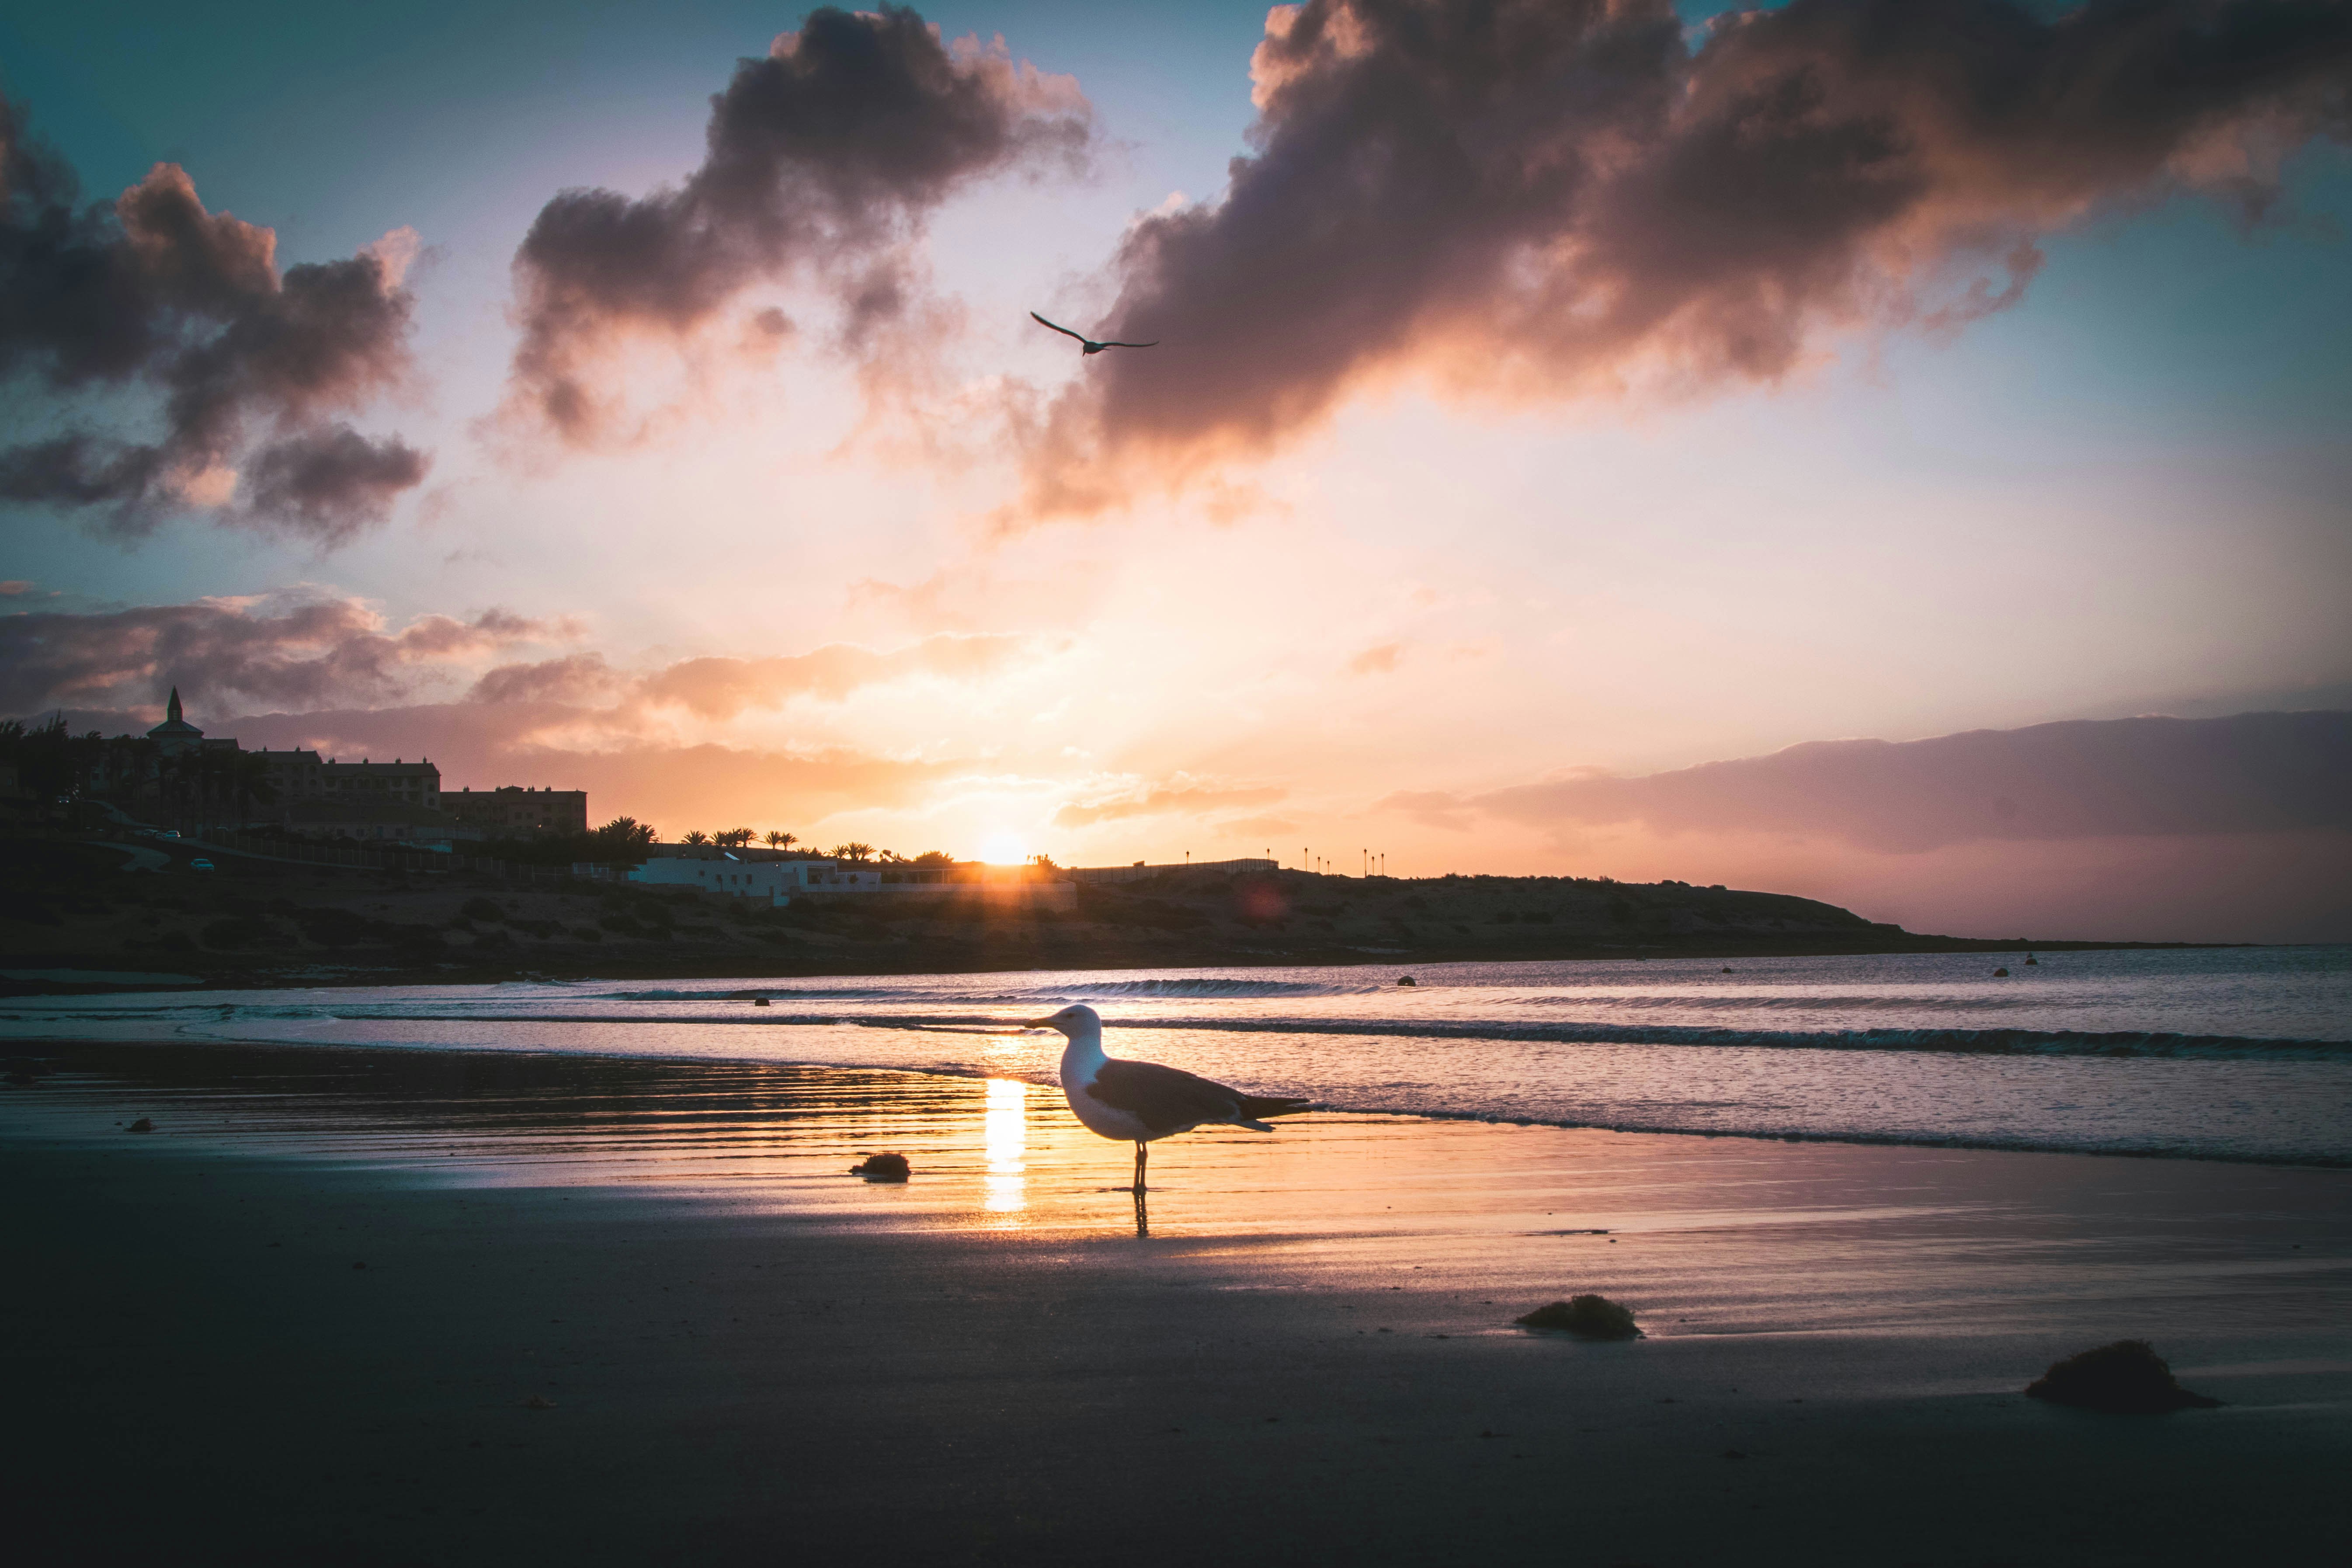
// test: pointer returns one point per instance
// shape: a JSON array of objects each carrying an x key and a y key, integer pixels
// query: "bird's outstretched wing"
[
  {"x": 1168, "y": 1099},
  {"x": 1063, "y": 330},
  {"x": 1152, "y": 345}
]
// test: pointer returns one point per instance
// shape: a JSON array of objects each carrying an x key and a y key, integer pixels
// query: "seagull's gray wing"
[
  {"x": 1152, "y": 345},
  {"x": 1063, "y": 330},
  {"x": 1168, "y": 1099}
]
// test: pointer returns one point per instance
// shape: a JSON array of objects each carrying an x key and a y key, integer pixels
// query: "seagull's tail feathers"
[{"x": 1254, "y": 1106}]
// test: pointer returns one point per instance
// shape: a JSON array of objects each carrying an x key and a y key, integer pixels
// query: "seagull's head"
[{"x": 1070, "y": 1020}]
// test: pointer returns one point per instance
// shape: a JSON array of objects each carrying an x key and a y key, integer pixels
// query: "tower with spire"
[{"x": 175, "y": 735}]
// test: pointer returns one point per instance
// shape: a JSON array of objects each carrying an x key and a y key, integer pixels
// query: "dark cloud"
[
  {"x": 154, "y": 296},
  {"x": 329, "y": 483},
  {"x": 575, "y": 678},
  {"x": 318, "y": 653},
  {"x": 329, "y": 650},
  {"x": 821, "y": 160},
  {"x": 2254, "y": 773},
  {"x": 1534, "y": 199}
]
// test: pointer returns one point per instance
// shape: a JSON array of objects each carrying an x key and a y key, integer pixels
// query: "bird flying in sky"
[{"x": 1087, "y": 345}]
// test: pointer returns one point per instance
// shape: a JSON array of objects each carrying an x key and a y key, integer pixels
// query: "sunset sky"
[{"x": 1548, "y": 397}]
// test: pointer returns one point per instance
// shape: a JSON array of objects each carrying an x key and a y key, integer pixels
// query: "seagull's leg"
[{"x": 1142, "y": 1152}]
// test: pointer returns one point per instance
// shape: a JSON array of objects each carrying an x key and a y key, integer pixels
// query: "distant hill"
[{"x": 66, "y": 906}]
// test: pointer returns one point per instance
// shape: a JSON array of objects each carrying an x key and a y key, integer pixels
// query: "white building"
[
  {"x": 768, "y": 875},
  {"x": 720, "y": 871}
]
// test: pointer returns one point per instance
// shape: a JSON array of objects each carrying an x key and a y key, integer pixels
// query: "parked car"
[{"x": 200, "y": 864}]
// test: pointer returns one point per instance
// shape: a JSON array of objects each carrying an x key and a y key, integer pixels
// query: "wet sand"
[{"x": 740, "y": 1349}]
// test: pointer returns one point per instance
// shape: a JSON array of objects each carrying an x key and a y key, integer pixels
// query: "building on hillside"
[
  {"x": 725, "y": 872},
  {"x": 293, "y": 775},
  {"x": 409, "y": 783},
  {"x": 301, "y": 777},
  {"x": 779, "y": 878},
  {"x": 372, "y": 818},
  {"x": 175, "y": 736},
  {"x": 512, "y": 811},
  {"x": 1140, "y": 872}
]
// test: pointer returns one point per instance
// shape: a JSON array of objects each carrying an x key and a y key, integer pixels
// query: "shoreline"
[
  {"x": 321, "y": 975},
  {"x": 308, "y": 1318},
  {"x": 32, "y": 1048}
]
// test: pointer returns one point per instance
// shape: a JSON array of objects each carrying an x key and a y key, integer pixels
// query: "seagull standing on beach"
[
  {"x": 1086, "y": 345},
  {"x": 1143, "y": 1100}
]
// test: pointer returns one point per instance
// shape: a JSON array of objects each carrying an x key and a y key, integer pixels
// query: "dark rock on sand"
[
  {"x": 1586, "y": 1317},
  {"x": 2126, "y": 1377},
  {"x": 141, "y": 1125},
  {"x": 882, "y": 1168}
]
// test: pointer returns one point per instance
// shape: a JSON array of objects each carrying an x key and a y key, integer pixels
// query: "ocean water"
[{"x": 2229, "y": 1054}]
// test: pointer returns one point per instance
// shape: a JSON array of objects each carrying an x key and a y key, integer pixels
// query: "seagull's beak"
[{"x": 1039, "y": 1024}]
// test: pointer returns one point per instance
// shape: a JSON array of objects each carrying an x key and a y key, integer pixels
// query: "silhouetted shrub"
[
  {"x": 331, "y": 927},
  {"x": 2126, "y": 1377},
  {"x": 237, "y": 931},
  {"x": 419, "y": 941},
  {"x": 1588, "y": 1317}
]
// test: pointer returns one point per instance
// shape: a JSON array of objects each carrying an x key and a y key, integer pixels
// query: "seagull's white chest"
[{"x": 1081, "y": 1060}]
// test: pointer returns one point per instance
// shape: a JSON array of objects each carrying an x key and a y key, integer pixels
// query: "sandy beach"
[{"x": 406, "y": 1308}]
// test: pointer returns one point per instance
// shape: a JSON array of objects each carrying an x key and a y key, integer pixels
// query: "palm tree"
[
  {"x": 779, "y": 839},
  {"x": 734, "y": 839},
  {"x": 853, "y": 852},
  {"x": 622, "y": 841},
  {"x": 696, "y": 836}
]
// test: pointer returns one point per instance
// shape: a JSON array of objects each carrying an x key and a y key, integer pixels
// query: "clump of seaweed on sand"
[
  {"x": 2126, "y": 1378},
  {"x": 1588, "y": 1317}
]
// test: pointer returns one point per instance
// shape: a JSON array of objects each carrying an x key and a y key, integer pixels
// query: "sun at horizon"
[{"x": 1004, "y": 847}]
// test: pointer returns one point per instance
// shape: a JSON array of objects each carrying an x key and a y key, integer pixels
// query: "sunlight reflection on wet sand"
[{"x": 1702, "y": 1234}]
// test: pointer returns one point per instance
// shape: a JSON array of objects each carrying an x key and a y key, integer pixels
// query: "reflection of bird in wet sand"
[
  {"x": 1143, "y": 1100},
  {"x": 1087, "y": 345}
]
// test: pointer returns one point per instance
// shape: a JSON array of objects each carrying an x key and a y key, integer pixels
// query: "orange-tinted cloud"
[
  {"x": 187, "y": 309},
  {"x": 723, "y": 687},
  {"x": 1544, "y": 199},
  {"x": 1189, "y": 796},
  {"x": 824, "y": 159}
]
